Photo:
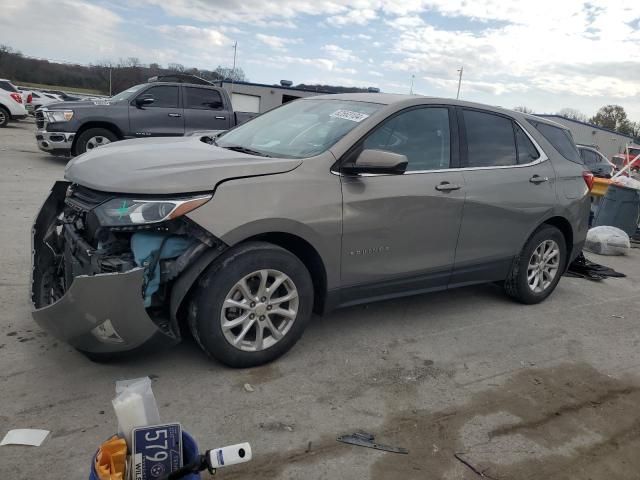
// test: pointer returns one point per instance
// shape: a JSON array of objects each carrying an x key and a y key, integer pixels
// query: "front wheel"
[
  {"x": 93, "y": 138},
  {"x": 252, "y": 305},
  {"x": 536, "y": 271}
]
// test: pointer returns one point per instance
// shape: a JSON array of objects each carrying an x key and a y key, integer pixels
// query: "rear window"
[
  {"x": 490, "y": 140},
  {"x": 4, "y": 85},
  {"x": 560, "y": 139}
]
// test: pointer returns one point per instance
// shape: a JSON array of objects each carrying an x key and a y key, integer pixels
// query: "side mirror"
[
  {"x": 377, "y": 161},
  {"x": 141, "y": 101}
]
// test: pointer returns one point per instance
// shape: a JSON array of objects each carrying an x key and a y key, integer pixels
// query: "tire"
[
  {"x": 517, "y": 285},
  {"x": 5, "y": 116},
  {"x": 93, "y": 136},
  {"x": 219, "y": 287}
]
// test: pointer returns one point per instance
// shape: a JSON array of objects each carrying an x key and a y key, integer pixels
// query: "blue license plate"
[{"x": 156, "y": 451}]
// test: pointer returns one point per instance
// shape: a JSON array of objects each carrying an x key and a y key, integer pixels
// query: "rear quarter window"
[{"x": 561, "y": 140}]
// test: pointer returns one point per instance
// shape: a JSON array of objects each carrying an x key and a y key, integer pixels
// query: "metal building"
[
  {"x": 606, "y": 141},
  {"x": 259, "y": 97}
]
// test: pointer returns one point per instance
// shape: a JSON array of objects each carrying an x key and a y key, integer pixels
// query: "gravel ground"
[{"x": 546, "y": 391}]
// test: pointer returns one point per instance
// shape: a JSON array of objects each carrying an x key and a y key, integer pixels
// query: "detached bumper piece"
[
  {"x": 102, "y": 313},
  {"x": 105, "y": 291}
]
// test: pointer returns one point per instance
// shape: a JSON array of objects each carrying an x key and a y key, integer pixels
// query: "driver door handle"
[
  {"x": 447, "y": 187},
  {"x": 175, "y": 114},
  {"x": 538, "y": 179}
]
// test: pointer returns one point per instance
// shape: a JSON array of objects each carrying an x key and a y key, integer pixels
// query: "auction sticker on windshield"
[{"x": 349, "y": 115}]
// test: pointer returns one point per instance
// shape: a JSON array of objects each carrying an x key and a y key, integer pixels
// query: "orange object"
[
  {"x": 111, "y": 459},
  {"x": 600, "y": 186}
]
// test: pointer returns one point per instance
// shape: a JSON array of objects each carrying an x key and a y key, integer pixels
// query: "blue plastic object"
[
  {"x": 149, "y": 248},
  {"x": 190, "y": 454}
]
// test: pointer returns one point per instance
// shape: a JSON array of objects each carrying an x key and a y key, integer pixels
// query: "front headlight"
[
  {"x": 121, "y": 212},
  {"x": 58, "y": 115}
]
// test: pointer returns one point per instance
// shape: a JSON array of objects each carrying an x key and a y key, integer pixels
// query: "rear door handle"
[
  {"x": 175, "y": 114},
  {"x": 538, "y": 179},
  {"x": 447, "y": 187},
  {"x": 220, "y": 118}
]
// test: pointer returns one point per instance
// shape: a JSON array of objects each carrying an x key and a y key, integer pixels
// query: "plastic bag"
[
  {"x": 627, "y": 182},
  {"x": 607, "y": 241},
  {"x": 135, "y": 406}
]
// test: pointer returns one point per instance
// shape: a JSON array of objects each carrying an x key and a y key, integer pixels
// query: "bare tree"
[{"x": 573, "y": 114}]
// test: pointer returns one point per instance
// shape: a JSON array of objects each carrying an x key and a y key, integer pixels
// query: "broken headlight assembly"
[{"x": 127, "y": 212}]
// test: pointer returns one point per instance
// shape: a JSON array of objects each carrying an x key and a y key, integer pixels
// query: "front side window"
[
  {"x": 299, "y": 129},
  {"x": 202, "y": 98},
  {"x": 164, "y": 96},
  {"x": 490, "y": 140},
  {"x": 560, "y": 139},
  {"x": 589, "y": 157},
  {"x": 420, "y": 134}
]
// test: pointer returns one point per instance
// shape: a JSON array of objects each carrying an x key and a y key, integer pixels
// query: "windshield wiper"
[{"x": 241, "y": 149}]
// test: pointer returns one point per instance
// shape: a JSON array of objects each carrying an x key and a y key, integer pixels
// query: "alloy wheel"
[
  {"x": 259, "y": 310},
  {"x": 543, "y": 266},
  {"x": 96, "y": 141},
  {"x": 3, "y": 118}
]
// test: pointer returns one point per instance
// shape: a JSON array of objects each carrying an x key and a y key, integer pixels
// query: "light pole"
[
  {"x": 411, "y": 87},
  {"x": 233, "y": 69},
  {"x": 459, "y": 82}
]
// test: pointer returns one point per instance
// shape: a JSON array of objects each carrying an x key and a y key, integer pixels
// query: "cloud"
[
  {"x": 277, "y": 43},
  {"x": 354, "y": 16},
  {"x": 340, "y": 54},
  {"x": 63, "y": 30}
]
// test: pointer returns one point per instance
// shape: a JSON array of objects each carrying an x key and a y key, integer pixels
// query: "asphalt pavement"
[{"x": 468, "y": 381}]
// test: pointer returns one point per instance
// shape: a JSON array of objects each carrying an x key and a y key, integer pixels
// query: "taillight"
[
  {"x": 17, "y": 97},
  {"x": 29, "y": 98},
  {"x": 588, "y": 179}
]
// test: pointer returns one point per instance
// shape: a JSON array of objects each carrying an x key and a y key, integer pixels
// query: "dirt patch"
[{"x": 566, "y": 422}]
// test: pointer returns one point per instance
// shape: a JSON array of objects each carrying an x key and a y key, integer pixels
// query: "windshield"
[
  {"x": 128, "y": 92},
  {"x": 634, "y": 152},
  {"x": 300, "y": 129}
]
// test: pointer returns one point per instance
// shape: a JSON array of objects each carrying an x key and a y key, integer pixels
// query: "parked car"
[
  {"x": 621, "y": 160},
  {"x": 7, "y": 86},
  {"x": 11, "y": 107},
  {"x": 324, "y": 202},
  {"x": 596, "y": 162},
  {"x": 153, "y": 109}
]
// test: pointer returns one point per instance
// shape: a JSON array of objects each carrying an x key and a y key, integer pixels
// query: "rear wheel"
[
  {"x": 252, "y": 305},
  {"x": 93, "y": 138},
  {"x": 5, "y": 116},
  {"x": 535, "y": 273}
]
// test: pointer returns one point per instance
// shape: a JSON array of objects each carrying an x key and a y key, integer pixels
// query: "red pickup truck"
[{"x": 621, "y": 160}]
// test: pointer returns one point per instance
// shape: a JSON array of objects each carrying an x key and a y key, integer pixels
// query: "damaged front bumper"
[
  {"x": 100, "y": 303},
  {"x": 103, "y": 313}
]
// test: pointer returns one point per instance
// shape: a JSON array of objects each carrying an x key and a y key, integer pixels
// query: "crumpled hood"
[{"x": 167, "y": 165}]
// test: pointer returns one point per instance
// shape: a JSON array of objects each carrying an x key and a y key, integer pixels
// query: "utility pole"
[
  {"x": 459, "y": 82},
  {"x": 110, "y": 93},
  {"x": 411, "y": 87},
  {"x": 233, "y": 70}
]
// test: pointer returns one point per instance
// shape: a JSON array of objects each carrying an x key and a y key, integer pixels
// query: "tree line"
[
  {"x": 112, "y": 77},
  {"x": 101, "y": 76},
  {"x": 611, "y": 117}
]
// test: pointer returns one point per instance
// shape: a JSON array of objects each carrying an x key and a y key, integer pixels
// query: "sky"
[{"x": 542, "y": 54}]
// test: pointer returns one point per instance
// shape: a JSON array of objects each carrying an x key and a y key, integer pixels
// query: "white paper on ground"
[{"x": 25, "y": 436}]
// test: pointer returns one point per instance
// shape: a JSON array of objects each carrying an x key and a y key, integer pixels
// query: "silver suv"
[{"x": 324, "y": 202}]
